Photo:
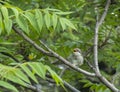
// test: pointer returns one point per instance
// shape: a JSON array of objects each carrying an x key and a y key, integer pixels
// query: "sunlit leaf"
[
  {"x": 57, "y": 79},
  {"x": 54, "y": 19},
  {"x": 47, "y": 19},
  {"x": 62, "y": 22},
  {"x": 1, "y": 23},
  {"x": 10, "y": 76},
  {"x": 28, "y": 72},
  {"x": 39, "y": 19},
  {"x": 8, "y": 25},
  {"x": 8, "y": 86},
  {"x": 5, "y": 13},
  {"x": 15, "y": 12},
  {"x": 32, "y": 20},
  {"x": 63, "y": 13},
  {"x": 68, "y": 23},
  {"x": 22, "y": 23},
  {"x": 38, "y": 68},
  {"x": 22, "y": 76}
]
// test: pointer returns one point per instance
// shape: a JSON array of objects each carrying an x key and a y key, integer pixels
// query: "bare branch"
[
  {"x": 97, "y": 71},
  {"x": 51, "y": 53},
  {"x": 98, "y": 24}
]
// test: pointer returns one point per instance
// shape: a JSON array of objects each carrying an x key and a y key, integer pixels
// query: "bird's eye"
[{"x": 74, "y": 50}]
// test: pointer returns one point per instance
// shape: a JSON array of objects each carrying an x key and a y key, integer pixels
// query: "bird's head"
[{"x": 77, "y": 50}]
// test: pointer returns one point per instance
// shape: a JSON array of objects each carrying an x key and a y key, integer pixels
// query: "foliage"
[{"x": 62, "y": 25}]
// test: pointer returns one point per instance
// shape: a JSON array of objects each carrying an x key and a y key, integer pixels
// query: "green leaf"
[
  {"x": 62, "y": 22},
  {"x": 10, "y": 76},
  {"x": 8, "y": 25},
  {"x": 32, "y": 20},
  {"x": 15, "y": 12},
  {"x": 28, "y": 72},
  {"x": 22, "y": 76},
  {"x": 7, "y": 43},
  {"x": 5, "y": 13},
  {"x": 22, "y": 23},
  {"x": 8, "y": 86},
  {"x": 38, "y": 68},
  {"x": 54, "y": 19},
  {"x": 63, "y": 13},
  {"x": 1, "y": 23},
  {"x": 57, "y": 79},
  {"x": 47, "y": 19},
  {"x": 68, "y": 23},
  {"x": 39, "y": 19}
]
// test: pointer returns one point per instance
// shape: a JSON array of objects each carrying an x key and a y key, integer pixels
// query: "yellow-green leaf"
[
  {"x": 68, "y": 23},
  {"x": 22, "y": 23},
  {"x": 38, "y": 68},
  {"x": 8, "y": 86},
  {"x": 8, "y": 25},
  {"x": 1, "y": 23},
  {"x": 15, "y": 12},
  {"x": 5, "y": 13},
  {"x": 54, "y": 19},
  {"x": 32, "y": 20},
  {"x": 62, "y": 22},
  {"x": 22, "y": 76},
  {"x": 47, "y": 20},
  {"x": 29, "y": 73},
  {"x": 39, "y": 19}
]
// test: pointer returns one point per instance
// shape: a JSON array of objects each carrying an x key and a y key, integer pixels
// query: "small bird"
[{"x": 77, "y": 58}]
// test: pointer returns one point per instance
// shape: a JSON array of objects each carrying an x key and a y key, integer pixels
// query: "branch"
[
  {"x": 97, "y": 71},
  {"x": 73, "y": 89},
  {"x": 98, "y": 24},
  {"x": 51, "y": 53}
]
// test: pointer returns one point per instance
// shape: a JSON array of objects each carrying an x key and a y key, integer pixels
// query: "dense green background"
[{"x": 62, "y": 25}]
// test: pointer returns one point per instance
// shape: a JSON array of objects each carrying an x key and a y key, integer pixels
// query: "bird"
[{"x": 76, "y": 57}]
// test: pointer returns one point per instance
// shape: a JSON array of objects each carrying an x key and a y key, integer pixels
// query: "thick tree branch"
[
  {"x": 97, "y": 71},
  {"x": 51, "y": 53}
]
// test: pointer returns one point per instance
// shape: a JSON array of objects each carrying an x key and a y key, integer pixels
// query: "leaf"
[
  {"x": 28, "y": 72},
  {"x": 5, "y": 13},
  {"x": 31, "y": 19},
  {"x": 68, "y": 23},
  {"x": 22, "y": 76},
  {"x": 63, "y": 13},
  {"x": 62, "y": 22},
  {"x": 8, "y": 43},
  {"x": 39, "y": 19},
  {"x": 8, "y": 86},
  {"x": 1, "y": 23},
  {"x": 38, "y": 68},
  {"x": 15, "y": 12},
  {"x": 8, "y": 25},
  {"x": 22, "y": 23},
  {"x": 54, "y": 19},
  {"x": 57, "y": 79},
  {"x": 10, "y": 76},
  {"x": 47, "y": 19}
]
